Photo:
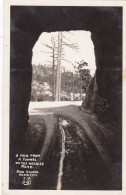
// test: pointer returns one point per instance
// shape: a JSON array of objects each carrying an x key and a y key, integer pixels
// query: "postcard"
[{"x": 63, "y": 97}]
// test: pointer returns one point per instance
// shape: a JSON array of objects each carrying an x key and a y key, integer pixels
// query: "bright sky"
[{"x": 82, "y": 38}]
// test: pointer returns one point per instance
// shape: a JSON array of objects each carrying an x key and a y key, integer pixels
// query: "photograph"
[{"x": 65, "y": 97}]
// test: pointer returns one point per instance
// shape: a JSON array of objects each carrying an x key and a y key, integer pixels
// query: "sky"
[{"x": 85, "y": 51}]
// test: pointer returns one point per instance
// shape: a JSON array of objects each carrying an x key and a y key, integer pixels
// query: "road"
[{"x": 84, "y": 145}]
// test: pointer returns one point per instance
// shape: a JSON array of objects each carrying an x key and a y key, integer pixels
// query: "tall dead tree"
[
  {"x": 58, "y": 56},
  {"x": 53, "y": 53}
]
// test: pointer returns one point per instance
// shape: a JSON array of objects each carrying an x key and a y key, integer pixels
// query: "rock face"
[
  {"x": 105, "y": 24},
  {"x": 107, "y": 89}
]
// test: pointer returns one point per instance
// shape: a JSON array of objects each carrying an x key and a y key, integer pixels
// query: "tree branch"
[
  {"x": 46, "y": 45},
  {"x": 67, "y": 60}
]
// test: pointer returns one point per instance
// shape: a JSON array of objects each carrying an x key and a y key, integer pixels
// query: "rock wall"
[{"x": 107, "y": 83}]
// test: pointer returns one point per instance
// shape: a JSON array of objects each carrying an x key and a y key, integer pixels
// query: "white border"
[
  {"x": 5, "y": 172},
  {"x": 1, "y": 73},
  {"x": 66, "y": 2}
]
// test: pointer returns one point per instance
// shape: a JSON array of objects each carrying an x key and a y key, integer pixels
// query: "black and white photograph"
[{"x": 65, "y": 97}]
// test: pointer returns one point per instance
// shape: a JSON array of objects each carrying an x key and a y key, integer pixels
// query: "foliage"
[
  {"x": 42, "y": 83},
  {"x": 84, "y": 74}
]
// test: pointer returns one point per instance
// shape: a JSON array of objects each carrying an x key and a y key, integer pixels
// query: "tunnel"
[{"x": 104, "y": 95}]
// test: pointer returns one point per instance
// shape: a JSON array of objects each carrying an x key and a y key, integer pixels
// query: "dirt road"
[{"x": 87, "y": 139}]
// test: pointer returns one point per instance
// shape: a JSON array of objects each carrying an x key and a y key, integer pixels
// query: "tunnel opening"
[{"x": 63, "y": 65}]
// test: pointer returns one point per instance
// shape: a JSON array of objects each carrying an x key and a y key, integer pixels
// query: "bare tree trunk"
[
  {"x": 58, "y": 76},
  {"x": 60, "y": 65},
  {"x": 57, "y": 71}
]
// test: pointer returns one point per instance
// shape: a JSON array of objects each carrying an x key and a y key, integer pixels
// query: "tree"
[
  {"x": 84, "y": 75},
  {"x": 58, "y": 54},
  {"x": 53, "y": 53}
]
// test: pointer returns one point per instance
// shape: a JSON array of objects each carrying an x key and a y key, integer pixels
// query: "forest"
[{"x": 73, "y": 84}]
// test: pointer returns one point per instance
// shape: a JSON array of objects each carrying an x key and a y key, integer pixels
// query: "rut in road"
[
  {"x": 63, "y": 150},
  {"x": 84, "y": 120},
  {"x": 83, "y": 168}
]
